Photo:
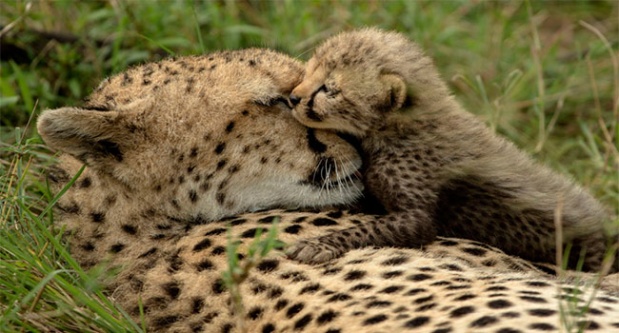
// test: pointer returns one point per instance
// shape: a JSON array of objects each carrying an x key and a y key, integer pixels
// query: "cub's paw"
[{"x": 313, "y": 251}]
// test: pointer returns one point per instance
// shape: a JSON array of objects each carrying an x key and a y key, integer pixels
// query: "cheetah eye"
[
  {"x": 329, "y": 90},
  {"x": 279, "y": 101}
]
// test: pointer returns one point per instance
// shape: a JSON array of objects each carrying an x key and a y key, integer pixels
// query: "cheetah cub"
[{"x": 436, "y": 168}]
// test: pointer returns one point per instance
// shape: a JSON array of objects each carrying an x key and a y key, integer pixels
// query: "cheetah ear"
[
  {"x": 397, "y": 91},
  {"x": 92, "y": 136}
]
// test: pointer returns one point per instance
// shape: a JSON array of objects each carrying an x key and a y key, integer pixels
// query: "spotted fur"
[
  {"x": 436, "y": 168},
  {"x": 120, "y": 213}
]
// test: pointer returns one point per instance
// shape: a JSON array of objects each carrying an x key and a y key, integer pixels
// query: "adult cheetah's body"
[{"x": 155, "y": 153}]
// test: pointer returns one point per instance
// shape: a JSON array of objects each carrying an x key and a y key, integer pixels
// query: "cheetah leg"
[{"x": 410, "y": 229}]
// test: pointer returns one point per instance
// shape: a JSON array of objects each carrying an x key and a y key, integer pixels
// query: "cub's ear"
[
  {"x": 397, "y": 91},
  {"x": 94, "y": 137}
]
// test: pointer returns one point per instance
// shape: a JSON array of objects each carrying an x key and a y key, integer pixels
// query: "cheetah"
[
  {"x": 435, "y": 167},
  {"x": 217, "y": 128}
]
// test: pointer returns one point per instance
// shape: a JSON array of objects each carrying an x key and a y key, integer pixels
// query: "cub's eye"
[
  {"x": 275, "y": 101},
  {"x": 330, "y": 90}
]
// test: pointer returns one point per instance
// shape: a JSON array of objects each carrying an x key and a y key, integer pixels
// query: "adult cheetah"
[
  {"x": 172, "y": 147},
  {"x": 436, "y": 168}
]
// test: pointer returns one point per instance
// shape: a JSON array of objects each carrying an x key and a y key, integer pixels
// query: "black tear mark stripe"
[
  {"x": 314, "y": 143},
  {"x": 310, "y": 105}
]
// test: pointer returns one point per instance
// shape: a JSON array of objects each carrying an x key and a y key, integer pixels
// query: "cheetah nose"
[{"x": 294, "y": 99}]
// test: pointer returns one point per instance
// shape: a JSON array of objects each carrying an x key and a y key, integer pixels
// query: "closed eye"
[{"x": 279, "y": 101}]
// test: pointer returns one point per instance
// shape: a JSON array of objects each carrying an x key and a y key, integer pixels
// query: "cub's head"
[
  {"x": 204, "y": 137},
  {"x": 356, "y": 79}
]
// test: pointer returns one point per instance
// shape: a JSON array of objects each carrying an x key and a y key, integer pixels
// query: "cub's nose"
[{"x": 294, "y": 99}]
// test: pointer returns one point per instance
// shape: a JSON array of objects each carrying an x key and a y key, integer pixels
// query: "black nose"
[{"x": 294, "y": 99}]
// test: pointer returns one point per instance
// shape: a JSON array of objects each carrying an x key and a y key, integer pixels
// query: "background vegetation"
[{"x": 544, "y": 74}]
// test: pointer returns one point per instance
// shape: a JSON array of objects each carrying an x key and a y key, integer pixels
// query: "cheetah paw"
[{"x": 312, "y": 251}]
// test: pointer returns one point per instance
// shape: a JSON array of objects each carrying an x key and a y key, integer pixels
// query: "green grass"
[{"x": 544, "y": 74}]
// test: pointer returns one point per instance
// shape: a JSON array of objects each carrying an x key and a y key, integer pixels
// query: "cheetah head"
[
  {"x": 355, "y": 80},
  {"x": 205, "y": 137}
]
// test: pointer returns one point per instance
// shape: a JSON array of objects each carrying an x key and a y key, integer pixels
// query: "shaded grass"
[{"x": 544, "y": 74}]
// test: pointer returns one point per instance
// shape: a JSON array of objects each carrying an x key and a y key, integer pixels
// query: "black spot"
[
  {"x": 218, "y": 286},
  {"x": 315, "y": 145},
  {"x": 310, "y": 289},
  {"x": 175, "y": 262},
  {"x": 361, "y": 286},
  {"x": 294, "y": 310},
  {"x": 326, "y": 317},
  {"x": 215, "y": 232},
  {"x": 230, "y": 127},
  {"x": 302, "y": 322},
  {"x": 390, "y": 275},
  {"x": 422, "y": 300},
  {"x": 332, "y": 271},
  {"x": 542, "y": 312},
  {"x": 281, "y": 304},
  {"x": 172, "y": 289},
  {"x": 496, "y": 288},
  {"x": 293, "y": 229},
  {"x": 395, "y": 261},
  {"x": 251, "y": 233},
  {"x": 508, "y": 330},
  {"x": 606, "y": 299},
  {"x": 417, "y": 322},
  {"x": 462, "y": 311},
  {"x": 86, "y": 182},
  {"x": 379, "y": 304},
  {"x": 268, "y": 219},
  {"x": 220, "y": 198},
  {"x": 218, "y": 250},
  {"x": 88, "y": 247},
  {"x": 275, "y": 292},
  {"x": 464, "y": 297},
  {"x": 97, "y": 217},
  {"x": 533, "y": 299},
  {"x": 339, "y": 297},
  {"x": 499, "y": 304},
  {"x": 117, "y": 247},
  {"x": 203, "y": 265},
  {"x": 255, "y": 313},
  {"x": 203, "y": 244},
  {"x": 130, "y": 229},
  {"x": 484, "y": 321},
  {"x": 588, "y": 325},
  {"x": 197, "y": 303},
  {"x": 268, "y": 328},
  {"x": 165, "y": 321},
  {"x": 354, "y": 275},
  {"x": 322, "y": 222},
  {"x": 510, "y": 314},
  {"x": 268, "y": 265},
  {"x": 227, "y": 328},
  {"x": 236, "y": 222},
  {"x": 221, "y": 164},
  {"x": 391, "y": 289},
  {"x": 543, "y": 327},
  {"x": 234, "y": 169},
  {"x": 220, "y": 148},
  {"x": 295, "y": 276},
  {"x": 419, "y": 277},
  {"x": 375, "y": 320}
]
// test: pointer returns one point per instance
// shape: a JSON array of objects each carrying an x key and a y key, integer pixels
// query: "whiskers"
[{"x": 346, "y": 182}]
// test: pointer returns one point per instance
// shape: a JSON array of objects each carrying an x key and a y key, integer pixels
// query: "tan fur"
[
  {"x": 170, "y": 260},
  {"x": 203, "y": 154},
  {"x": 430, "y": 162}
]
